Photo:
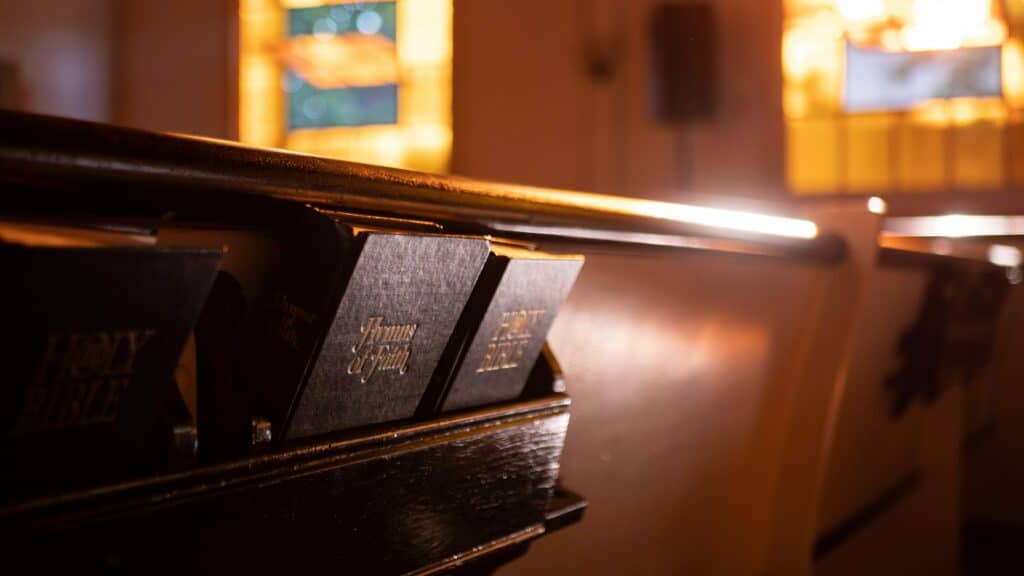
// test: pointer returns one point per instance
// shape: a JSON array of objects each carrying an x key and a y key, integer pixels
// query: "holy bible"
[
  {"x": 95, "y": 322},
  {"x": 503, "y": 328}
]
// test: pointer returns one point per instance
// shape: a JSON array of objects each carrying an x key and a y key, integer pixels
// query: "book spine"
[
  {"x": 465, "y": 331},
  {"x": 317, "y": 261}
]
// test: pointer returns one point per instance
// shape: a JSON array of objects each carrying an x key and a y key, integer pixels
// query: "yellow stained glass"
[
  {"x": 920, "y": 156},
  {"x": 977, "y": 156},
  {"x": 870, "y": 152},
  {"x": 812, "y": 154},
  {"x": 935, "y": 143},
  {"x": 363, "y": 81}
]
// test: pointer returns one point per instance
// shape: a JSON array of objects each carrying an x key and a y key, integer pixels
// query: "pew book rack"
[{"x": 442, "y": 492}]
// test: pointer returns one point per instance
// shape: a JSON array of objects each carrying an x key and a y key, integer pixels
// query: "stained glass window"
[
  {"x": 884, "y": 96},
  {"x": 368, "y": 81},
  {"x": 341, "y": 66}
]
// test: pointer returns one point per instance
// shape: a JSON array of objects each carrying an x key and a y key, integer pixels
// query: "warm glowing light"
[
  {"x": 1003, "y": 255},
  {"x": 932, "y": 121},
  {"x": 862, "y": 11},
  {"x": 421, "y": 145},
  {"x": 918, "y": 25},
  {"x": 419, "y": 62},
  {"x": 876, "y": 205},
  {"x": 343, "y": 61},
  {"x": 949, "y": 24},
  {"x": 260, "y": 102},
  {"x": 426, "y": 28},
  {"x": 753, "y": 222},
  {"x": 729, "y": 219},
  {"x": 1013, "y": 73},
  {"x": 956, "y": 226}
]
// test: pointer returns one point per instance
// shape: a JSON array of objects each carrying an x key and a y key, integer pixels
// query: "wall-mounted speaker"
[{"x": 683, "y": 58}]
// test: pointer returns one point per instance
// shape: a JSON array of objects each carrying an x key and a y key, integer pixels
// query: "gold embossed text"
[
  {"x": 381, "y": 348},
  {"x": 82, "y": 379},
  {"x": 510, "y": 339}
]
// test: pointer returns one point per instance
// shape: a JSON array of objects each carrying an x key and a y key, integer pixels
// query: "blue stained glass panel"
[
  {"x": 891, "y": 81},
  {"x": 310, "y": 106}
]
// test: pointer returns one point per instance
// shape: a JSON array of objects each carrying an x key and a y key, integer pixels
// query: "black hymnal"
[
  {"x": 94, "y": 326},
  {"x": 503, "y": 328},
  {"x": 361, "y": 320}
]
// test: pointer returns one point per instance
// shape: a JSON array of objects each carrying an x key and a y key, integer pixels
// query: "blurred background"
[{"x": 749, "y": 98}]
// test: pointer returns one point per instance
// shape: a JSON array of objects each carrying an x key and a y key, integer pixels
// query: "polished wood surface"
[
  {"x": 754, "y": 385},
  {"x": 93, "y": 168},
  {"x": 682, "y": 381},
  {"x": 421, "y": 497}
]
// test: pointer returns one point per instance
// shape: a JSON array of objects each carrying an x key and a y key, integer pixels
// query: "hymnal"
[{"x": 361, "y": 322}]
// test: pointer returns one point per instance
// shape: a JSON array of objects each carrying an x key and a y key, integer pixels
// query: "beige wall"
[
  {"x": 172, "y": 63},
  {"x": 526, "y": 109},
  {"x": 139, "y": 63},
  {"x": 516, "y": 91},
  {"x": 61, "y": 49}
]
